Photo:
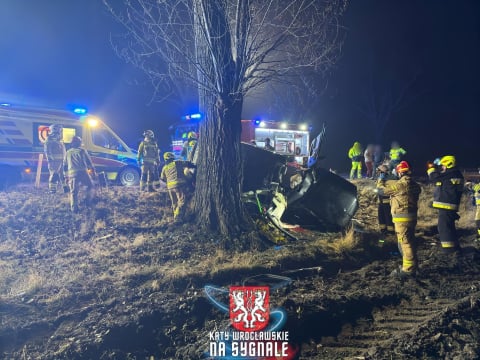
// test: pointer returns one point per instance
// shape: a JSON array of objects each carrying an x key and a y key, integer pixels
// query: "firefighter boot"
[{"x": 402, "y": 275}]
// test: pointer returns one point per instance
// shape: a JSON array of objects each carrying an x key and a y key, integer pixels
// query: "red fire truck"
[{"x": 287, "y": 139}]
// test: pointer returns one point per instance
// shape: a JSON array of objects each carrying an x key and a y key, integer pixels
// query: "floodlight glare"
[{"x": 92, "y": 122}]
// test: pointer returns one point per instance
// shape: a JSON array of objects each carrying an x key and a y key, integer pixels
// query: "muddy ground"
[{"x": 118, "y": 282}]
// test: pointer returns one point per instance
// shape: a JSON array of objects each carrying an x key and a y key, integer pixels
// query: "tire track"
[{"x": 360, "y": 340}]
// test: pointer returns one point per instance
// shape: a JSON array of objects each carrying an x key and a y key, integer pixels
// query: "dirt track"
[{"x": 118, "y": 283}]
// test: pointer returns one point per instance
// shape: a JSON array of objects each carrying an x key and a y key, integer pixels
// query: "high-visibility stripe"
[
  {"x": 431, "y": 170},
  {"x": 403, "y": 217},
  {"x": 174, "y": 183},
  {"x": 456, "y": 181},
  {"x": 443, "y": 205},
  {"x": 402, "y": 220},
  {"x": 448, "y": 244}
]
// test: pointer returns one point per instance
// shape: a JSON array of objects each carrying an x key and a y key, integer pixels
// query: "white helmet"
[
  {"x": 55, "y": 129},
  {"x": 149, "y": 134}
]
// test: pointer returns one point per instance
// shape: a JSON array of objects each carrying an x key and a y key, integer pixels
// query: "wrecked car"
[{"x": 288, "y": 193}]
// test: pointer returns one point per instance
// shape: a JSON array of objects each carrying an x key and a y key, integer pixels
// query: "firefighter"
[
  {"x": 173, "y": 174},
  {"x": 189, "y": 146},
  {"x": 148, "y": 159},
  {"x": 396, "y": 155},
  {"x": 355, "y": 154},
  {"x": 54, "y": 149},
  {"x": 79, "y": 168},
  {"x": 476, "y": 194},
  {"x": 448, "y": 191},
  {"x": 404, "y": 194},
  {"x": 384, "y": 210}
]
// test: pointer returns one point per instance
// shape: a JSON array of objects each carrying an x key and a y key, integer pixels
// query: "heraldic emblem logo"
[{"x": 249, "y": 307}]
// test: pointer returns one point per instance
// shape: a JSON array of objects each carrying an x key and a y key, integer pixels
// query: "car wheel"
[{"x": 129, "y": 177}]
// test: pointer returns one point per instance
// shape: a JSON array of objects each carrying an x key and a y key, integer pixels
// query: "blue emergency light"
[
  {"x": 192, "y": 116},
  {"x": 80, "y": 110}
]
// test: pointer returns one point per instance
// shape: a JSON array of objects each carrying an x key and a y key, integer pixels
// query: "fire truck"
[
  {"x": 23, "y": 130},
  {"x": 287, "y": 139}
]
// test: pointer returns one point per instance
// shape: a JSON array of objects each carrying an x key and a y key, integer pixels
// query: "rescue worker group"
[
  {"x": 68, "y": 169},
  {"x": 398, "y": 196},
  {"x": 397, "y": 192}
]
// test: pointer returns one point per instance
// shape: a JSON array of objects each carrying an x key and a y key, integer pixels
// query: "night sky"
[{"x": 57, "y": 52}]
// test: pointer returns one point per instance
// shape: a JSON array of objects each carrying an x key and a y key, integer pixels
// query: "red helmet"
[{"x": 402, "y": 167}]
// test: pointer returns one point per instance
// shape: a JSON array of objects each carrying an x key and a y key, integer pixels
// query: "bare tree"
[
  {"x": 382, "y": 97},
  {"x": 296, "y": 98},
  {"x": 225, "y": 49}
]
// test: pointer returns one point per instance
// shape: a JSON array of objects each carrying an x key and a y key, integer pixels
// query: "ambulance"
[{"x": 23, "y": 131}]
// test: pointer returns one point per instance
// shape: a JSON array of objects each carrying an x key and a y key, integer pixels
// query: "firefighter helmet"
[
  {"x": 76, "y": 141},
  {"x": 402, "y": 168},
  {"x": 55, "y": 129},
  {"x": 168, "y": 156},
  {"x": 149, "y": 134},
  {"x": 448, "y": 161},
  {"x": 192, "y": 135}
]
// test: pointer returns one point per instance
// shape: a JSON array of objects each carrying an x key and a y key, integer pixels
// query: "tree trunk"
[
  {"x": 218, "y": 203},
  {"x": 217, "y": 197}
]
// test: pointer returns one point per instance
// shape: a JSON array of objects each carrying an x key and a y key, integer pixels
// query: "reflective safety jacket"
[
  {"x": 448, "y": 188},
  {"x": 476, "y": 194},
  {"x": 149, "y": 152},
  {"x": 173, "y": 173},
  {"x": 77, "y": 160},
  {"x": 54, "y": 149},
  {"x": 397, "y": 154},
  {"x": 404, "y": 194},
  {"x": 188, "y": 150},
  {"x": 355, "y": 152}
]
